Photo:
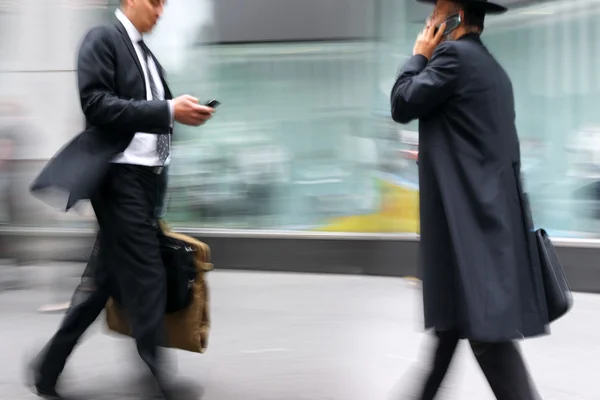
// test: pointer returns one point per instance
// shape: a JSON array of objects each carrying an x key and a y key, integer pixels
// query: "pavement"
[{"x": 280, "y": 336}]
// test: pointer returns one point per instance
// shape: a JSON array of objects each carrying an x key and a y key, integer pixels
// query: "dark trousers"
[
  {"x": 124, "y": 264},
  {"x": 86, "y": 304},
  {"x": 501, "y": 363}
]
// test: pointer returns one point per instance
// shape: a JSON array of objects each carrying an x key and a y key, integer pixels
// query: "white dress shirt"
[{"x": 142, "y": 149}]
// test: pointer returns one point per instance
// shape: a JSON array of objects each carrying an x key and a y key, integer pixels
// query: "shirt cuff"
[{"x": 171, "y": 112}]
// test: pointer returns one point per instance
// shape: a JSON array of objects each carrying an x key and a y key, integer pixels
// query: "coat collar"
[
  {"x": 131, "y": 31},
  {"x": 472, "y": 36}
]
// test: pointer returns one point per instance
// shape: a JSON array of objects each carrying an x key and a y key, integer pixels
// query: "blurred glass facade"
[
  {"x": 303, "y": 139},
  {"x": 291, "y": 146}
]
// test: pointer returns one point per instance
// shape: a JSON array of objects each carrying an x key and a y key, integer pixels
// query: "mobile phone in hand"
[
  {"x": 452, "y": 23},
  {"x": 213, "y": 103}
]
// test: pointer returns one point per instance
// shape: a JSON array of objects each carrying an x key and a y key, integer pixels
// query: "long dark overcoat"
[{"x": 481, "y": 275}]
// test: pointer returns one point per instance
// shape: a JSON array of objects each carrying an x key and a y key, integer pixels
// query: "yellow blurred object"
[{"x": 399, "y": 212}]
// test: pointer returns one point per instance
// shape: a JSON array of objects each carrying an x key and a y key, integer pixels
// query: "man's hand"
[
  {"x": 427, "y": 41},
  {"x": 189, "y": 112}
]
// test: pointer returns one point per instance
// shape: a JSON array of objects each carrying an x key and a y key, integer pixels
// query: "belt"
[{"x": 155, "y": 170}]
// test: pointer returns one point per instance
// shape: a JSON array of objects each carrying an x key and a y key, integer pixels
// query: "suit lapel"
[
  {"x": 129, "y": 46},
  {"x": 162, "y": 74}
]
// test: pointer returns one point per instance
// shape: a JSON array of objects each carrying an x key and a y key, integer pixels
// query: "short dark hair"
[{"x": 474, "y": 17}]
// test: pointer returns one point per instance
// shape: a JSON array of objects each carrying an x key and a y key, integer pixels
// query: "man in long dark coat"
[{"x": 481, "y": 278}]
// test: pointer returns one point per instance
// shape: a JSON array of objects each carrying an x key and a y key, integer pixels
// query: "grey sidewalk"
[{"x": 301, "y": 337}]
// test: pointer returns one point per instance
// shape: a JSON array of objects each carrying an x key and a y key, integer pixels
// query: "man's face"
[
  {"x": 442, "y": 10},
  {"x": 146, "y": 13}
]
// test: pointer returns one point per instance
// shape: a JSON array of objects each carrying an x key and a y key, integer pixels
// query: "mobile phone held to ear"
[
  {"x": 452, "y": 22},
  {"x": 213, "y": 103}
]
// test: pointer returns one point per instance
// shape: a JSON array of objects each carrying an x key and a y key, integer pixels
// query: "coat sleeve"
[
  {"x": 422, "y": 85},
  {"x": 100, "y": 102}
]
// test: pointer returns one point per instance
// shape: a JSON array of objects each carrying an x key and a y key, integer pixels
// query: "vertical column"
[
  {"x": 38, "y": 79},
  {"x": 584, "y": 43},
  {"x": 392, "y": 34},
  {"x": 39, "y": 73}
]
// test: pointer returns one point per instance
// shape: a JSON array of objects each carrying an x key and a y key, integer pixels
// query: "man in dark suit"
[
  {"x": 119, "y": 163},
  {"x": 480, "y": 270}
]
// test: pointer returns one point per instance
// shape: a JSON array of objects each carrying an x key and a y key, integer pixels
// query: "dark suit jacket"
[
  {"x": 112, "y": 91},
  {"x": 479, "y": 266}
]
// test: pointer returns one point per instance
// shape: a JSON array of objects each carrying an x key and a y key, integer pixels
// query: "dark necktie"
[{"x": 162, "y": 140}]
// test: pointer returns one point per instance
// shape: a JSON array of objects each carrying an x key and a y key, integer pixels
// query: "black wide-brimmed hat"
[{"x": 484, "y": 5}]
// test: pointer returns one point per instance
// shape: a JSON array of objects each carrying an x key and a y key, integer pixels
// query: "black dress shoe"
[
  {"x": 33, "y": 381},
  {"x": 48, "y": 394}
]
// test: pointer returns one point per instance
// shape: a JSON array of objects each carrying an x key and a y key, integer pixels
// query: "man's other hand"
[
  {"x": 189, "y": 112},
  {"x": 427, "y": 41}
]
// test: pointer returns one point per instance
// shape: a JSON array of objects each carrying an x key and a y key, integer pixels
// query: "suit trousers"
[
  {"x": 87, "y": 302},
  {"x": 501, "y": 363},
  {"x": 125, "y": 264}
]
